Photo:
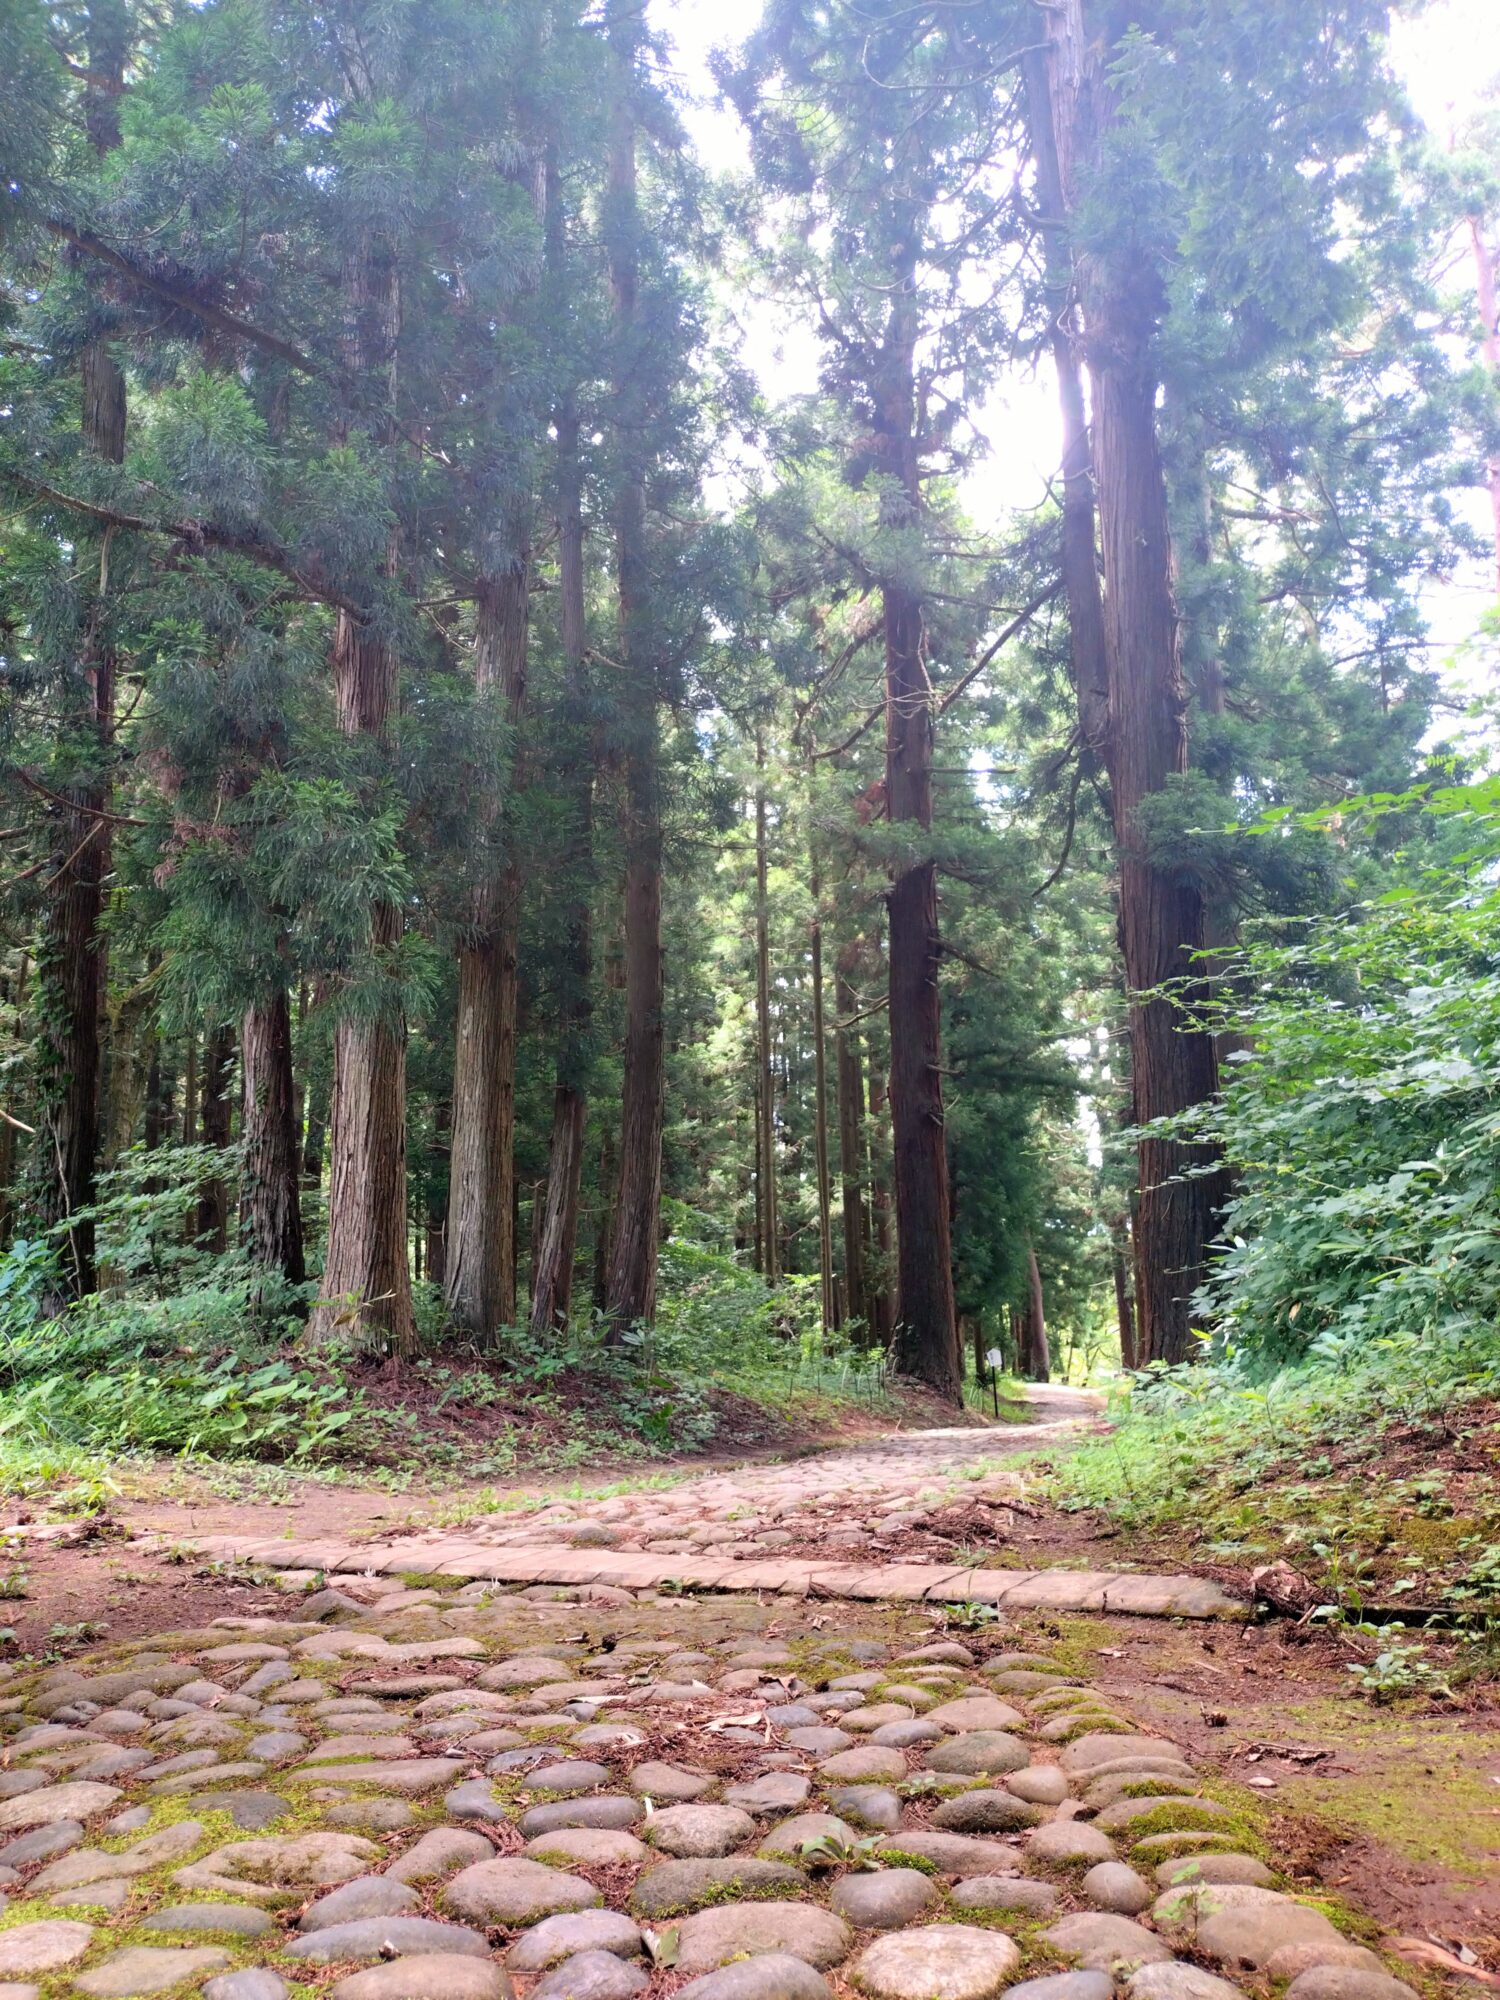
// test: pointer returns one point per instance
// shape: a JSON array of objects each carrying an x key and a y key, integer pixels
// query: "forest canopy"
[{"x": 527, "y": 841}]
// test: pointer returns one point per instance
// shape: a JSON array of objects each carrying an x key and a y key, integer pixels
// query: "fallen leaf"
[{"x": 1419, "y": 1951}]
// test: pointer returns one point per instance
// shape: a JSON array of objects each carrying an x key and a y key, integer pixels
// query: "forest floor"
[{"x": 1391, "y": 1801}]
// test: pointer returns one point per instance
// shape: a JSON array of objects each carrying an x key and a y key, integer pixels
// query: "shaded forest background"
[{"x": 533, "y": 863}]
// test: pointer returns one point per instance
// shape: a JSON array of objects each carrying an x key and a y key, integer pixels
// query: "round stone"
[
  {"x": 873, "y": 1806},
  {"x": 55, "y": 1803},
  {"x": 871, "y": 1763},
  {"x": 424, "y": 1976},
  {"x": 802, "y": 1930},
  {"x": 653, "y": 1780},
  {"x": 984, "y": 1812},
  {"x": 1239, "y": 1924},
  {"x": 272, "y": 1870},
  {"x": 513, "y": 1890},
  {"x": 144, "y": 1968},
  {"x": 693, "y": 1831},
  {"x": 1347, "y": 1982},
  {"x": 1038, "y": 1784},
  {"x": 234, "y": 1919},
  {"x": 906, "y": 1735},
  {"x": 1005, "y": 1892},
  {"x": 439, "y": 1854},
  {"x": 936, "y": 1962},
  {"x": 1067, "y": 1843},
  {"x": 1104, "y": 1943},
  {"x": 375, "y": 1815},
  {"x": 556, "y": 1938},
  {"x": 591, "y": 1975},
  {"x": 975, "y": 1712},
  {"x": 977, "y": 1752},
  {"x": 864, "y": 1721},
  {"x": 42, "y": 1947},
  {"x": 1111, "y": 1885},
  {"x": 1065, "y": 1986},
  {"x": 1190, "y": 1868},
  {"x": 609, "y": 1810},
  {"x": 253, "y": 1982},
  {"x": 367, "y": 1896},
  {"x": 379, "y": 1937},
  {"x": 575, "y": 1775},
  {"x": 883, "y": 1899},
  {"x": 776, "y": 1792},
  {"x": 771, "y": 1975},
  {"x": 790, "y": 1840},
  {"x": 1179, "y": 1981},
  {"x": 589, "y": 1847},
  {"x": 686, "y": 1885}
]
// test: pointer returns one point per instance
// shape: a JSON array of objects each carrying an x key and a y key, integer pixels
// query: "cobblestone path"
[
  {"x": 919, "y": 1516},
  {"x": 471, "y": 1792}
]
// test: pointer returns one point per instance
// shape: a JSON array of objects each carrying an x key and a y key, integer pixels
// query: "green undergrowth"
[
  {"x": 1378, "y": 1480},
  {"x": 186, "y": 1356}
]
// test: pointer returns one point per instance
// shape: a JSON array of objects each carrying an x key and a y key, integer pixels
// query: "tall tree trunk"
[
  {"x": 879, "y": 1291},
  {"x": 1173, "y": 1067},
  {"x": 831, "y": 1317},
  {"x": 188, "y": 1133},
  {"x": 1124, "y": 1304},
  {"x": 849, "y": 1074},
  {"x": 480, "y": 1279},
  {"x": 439, "y": 1175},
  {"x": 765, "y": 1093},
  {"x": 271, "y": 1211},
  {"x": 367, "y": 1272},
  {"x": 70, "y": 951},
  {"x": 630, "y": 1286},
  {"x": 214, "y": 1124},
  {"x": 1080, "y": 557},
  {"x": 926, "y": 1345},
  {"x": 1039, "y": 1355},
  {"x": 552, "y": 1279}
]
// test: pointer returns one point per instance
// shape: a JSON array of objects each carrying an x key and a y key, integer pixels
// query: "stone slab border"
[{"x": 1143, "y": 1595}]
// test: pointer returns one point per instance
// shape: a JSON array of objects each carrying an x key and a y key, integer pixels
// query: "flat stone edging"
[{"x": 1142, "y": 1595}]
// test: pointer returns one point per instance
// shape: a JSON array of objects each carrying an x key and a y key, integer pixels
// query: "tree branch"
[
  {"x": 198, "y": 536},
  {"x": 1018, "y": 623},
  {"x": 216, "y": 316}
]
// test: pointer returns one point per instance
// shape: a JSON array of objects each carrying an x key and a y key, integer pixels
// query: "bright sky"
[{"x": 1447, "y": 55}]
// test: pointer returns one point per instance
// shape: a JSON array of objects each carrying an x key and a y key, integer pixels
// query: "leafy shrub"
[
  {"x": 1361, "y": 1121},
  {"x": 184, "y": 1350}
]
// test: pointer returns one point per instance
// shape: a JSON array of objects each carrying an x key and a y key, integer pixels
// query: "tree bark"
[
  {"x": 849, "y": 1073},
  {"x": 831, "y": 1316},
  {"x": 879, "y": 1292},
  {"x": 480, "y": 1271},
  {"x": 630, "y": 1286},
  {"x": 367, "y": 1272},
  {"x": 769, "y": 1258},
  {"x": 1124, "y": 1304},
  {"x": 1039, "y": 1355},
  {"x": 271, "y": 1211},
  {"x": 71, "y": 949},
  {"x": 926, "y": 1344},
  {"x": 1173, "y": 1067},
  {"x": 439, "y": 1173},
  {"x": 213, "y": 1125},
  {"x": 552, "y": 1281},
  {"x": 1080, "y": 557}
]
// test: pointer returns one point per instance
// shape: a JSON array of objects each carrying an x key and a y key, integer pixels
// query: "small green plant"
[
  {"x": 833, "y": 1850},
  {"x": 970, "y": 1615},
  {"x": 1400, "y": 1667},
  {"x": 15, "y": 1583}
]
